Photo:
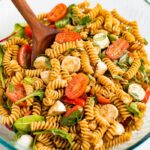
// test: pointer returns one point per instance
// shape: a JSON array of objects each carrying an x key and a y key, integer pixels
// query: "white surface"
[{"x": 131, "y": 9}]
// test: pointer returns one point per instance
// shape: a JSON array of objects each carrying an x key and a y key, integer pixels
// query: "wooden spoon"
[{"x": 42, "y": 36}]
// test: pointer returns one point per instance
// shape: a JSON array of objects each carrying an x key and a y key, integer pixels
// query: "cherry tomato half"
[
  {"x": 77, "y": 86},
  {"x": 147, "y": 95},
  {"x": 24, "y": 56},
  {"x": 67, "y": 36},
  {"x": 117, "y": 49},
  {"x": 17, "y": 93},
  {"x": 28, "y": 31},
  {"x": 77, "y": 101},
  {"x": 57, "y": 13}
]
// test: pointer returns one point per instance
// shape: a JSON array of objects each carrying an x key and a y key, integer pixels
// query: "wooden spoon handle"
[{"x": 27, "y": 13}]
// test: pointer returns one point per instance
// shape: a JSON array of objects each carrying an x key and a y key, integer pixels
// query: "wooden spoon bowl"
[{"x": 42, "y": 36}]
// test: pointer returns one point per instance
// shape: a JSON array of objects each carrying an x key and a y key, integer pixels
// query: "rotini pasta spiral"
[
  {"x": 95, "y": 11},
  {"x": 36, "y": 110},
  {"x": 54, "y": 94},
  {"x": 121, "y": 107},
  {"x": 45, "y": 139},
  {"x": 92, "y": 53},
  {"x": 17, "y": 78},
  {"x": 89, "y": 109},
  {"x": 15, "y": 114},
  {"x": 114, "y": 70},
  {"x": 15, "y": 41},
  {"x": 118, "y": 140},
  {"x": 57, "y": 84},
  {"x": 33, "y": 73},
  {"x": 3, "y": 111},
  {"x": 85, "y": 132},
  {"x": 128, "y": 36},
  {"x": 133, "y": 69},
  {"x": 85, "y": 63},
  {"x": 35, "y": 126},
  {"x": 61, "y": 48}
]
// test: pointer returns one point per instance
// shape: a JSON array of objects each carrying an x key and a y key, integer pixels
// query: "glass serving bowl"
[{"x": 138, "y": 10}]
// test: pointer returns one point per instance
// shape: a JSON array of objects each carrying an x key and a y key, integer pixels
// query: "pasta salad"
[{"x": 87, "y": 92}]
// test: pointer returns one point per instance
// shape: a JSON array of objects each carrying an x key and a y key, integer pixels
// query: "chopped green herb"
[
  {"x": 102, "y": 55},
  {"x": 62, "y": 23},
  {"x": 28, "y": 80},
  {"x": 112, "y": 37},
  {"x": 130, "y": 29},
  {"x": 145, "y": 42},
  {"x": 68, "y": 51},
  {"x": 85, "y": 20},
  {"x": 47, "y": 61},
  {"x": 78, "y": 28},
  {"x": 11, "y": 87},
  {"x": 130, "y": 60},
  {"x": 132, "y": 108}
]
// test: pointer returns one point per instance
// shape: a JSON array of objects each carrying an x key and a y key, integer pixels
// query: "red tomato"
[
  {"x": 77, "y": 86},
  {"x": 28, "y": 31},
  {"x": 78, "y": 101},
  {"x": 67, "y": 36},
  {"x": 73, "y": 109},
  {"x": 103, "y": 100},
  {"x": 117, "y": 49},
  {"x": 24, "y": 56},
  {"x": 18, "y": 93},
  {"x": 57, "y": 13},
  {"x": 147, "y": 95}
]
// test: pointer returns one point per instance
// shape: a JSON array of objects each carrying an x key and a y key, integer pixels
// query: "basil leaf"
[
  {"x": 72, "y": 119},
  {"x": 132, "y": 108},
  {"x": 84, "y": 20},
  {"x": 19, "y": 29},
  {"x": 23, "y": 124},
  {"x": 11, "y": 87},
  {"x": 28, "y": 80},
  {"x": 39, "y": 93},
  {"x": 63, "y": 134}
]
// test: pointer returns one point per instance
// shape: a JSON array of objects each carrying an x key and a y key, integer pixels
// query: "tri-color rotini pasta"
[{"x": 90, "y": 88}]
